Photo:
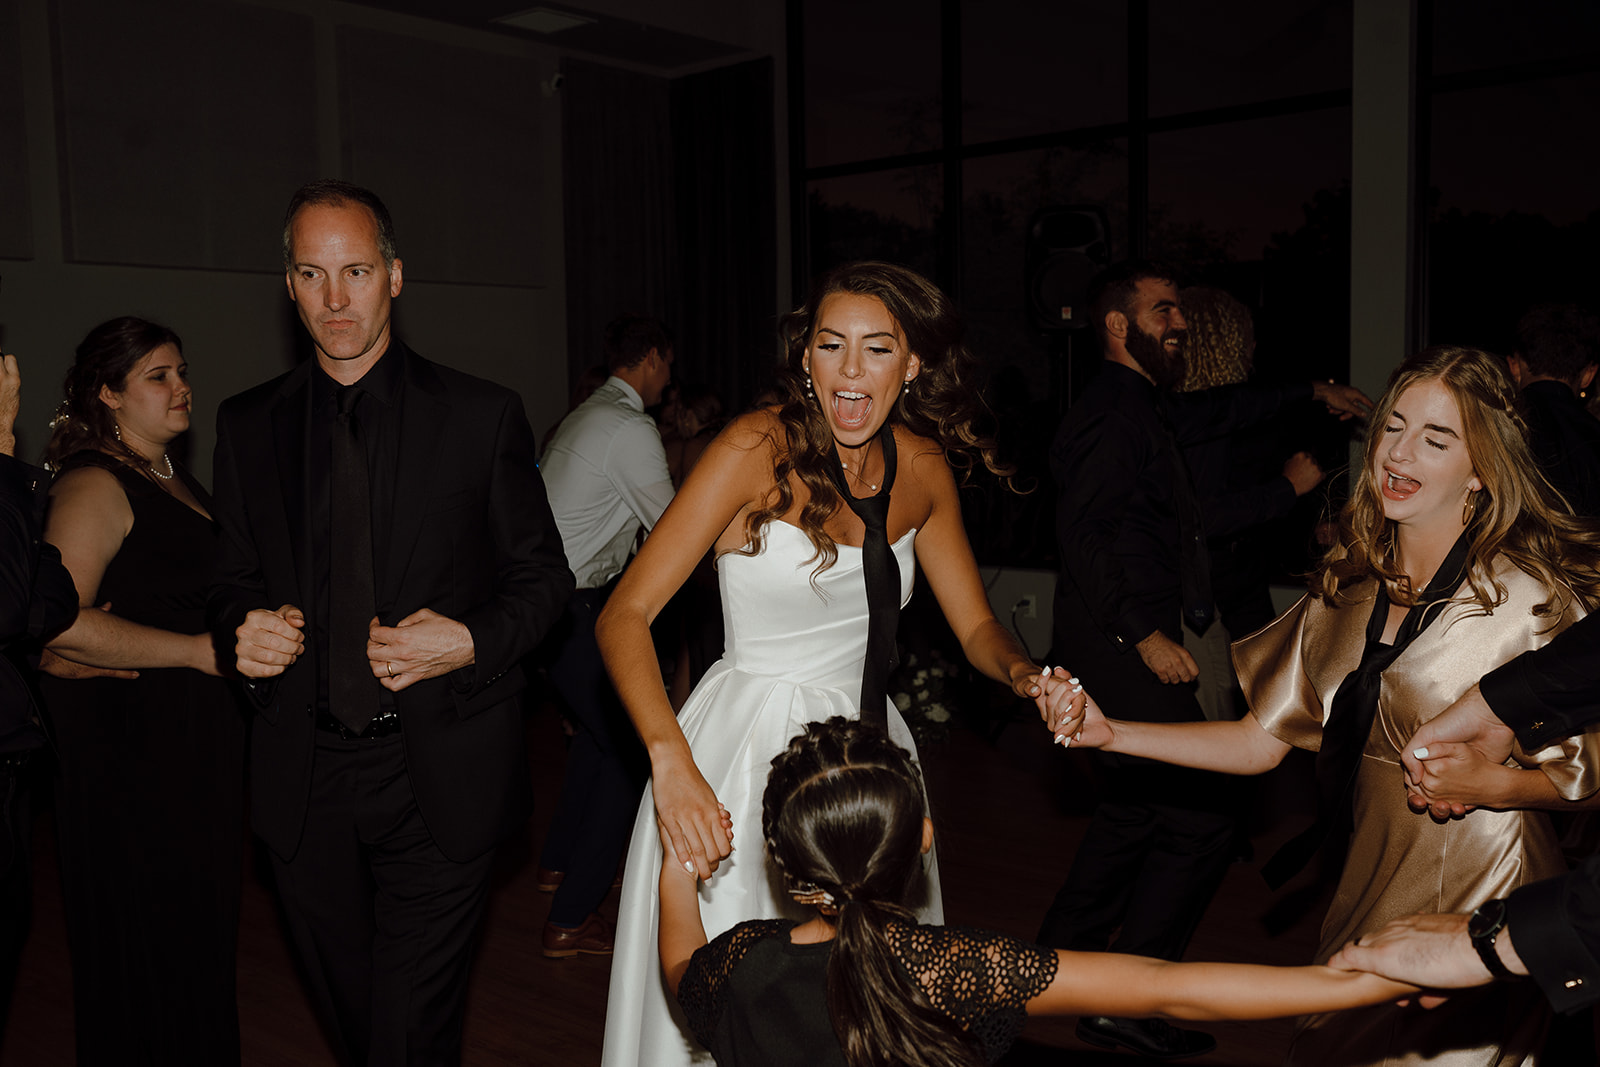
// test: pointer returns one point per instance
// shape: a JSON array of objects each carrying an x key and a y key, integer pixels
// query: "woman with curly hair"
[
  {"x": 150, "y": 790},
  {"x": 1454, "y": 556},
  {"x": 815, "y": 558},
  {"x": 861, "y": 982}
]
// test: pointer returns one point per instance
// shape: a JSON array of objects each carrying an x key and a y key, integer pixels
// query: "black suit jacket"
[
  {"x": 1116, "y": 512},
  {"x": 37, "y": 600},
  {"x": 472, "y": 539},
  {"x": 1551, "y": 693}
]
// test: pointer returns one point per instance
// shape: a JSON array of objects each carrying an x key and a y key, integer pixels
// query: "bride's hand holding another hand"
[
  {"x": 698, "y": 829},
  {"x": 1070, "y": 713}
]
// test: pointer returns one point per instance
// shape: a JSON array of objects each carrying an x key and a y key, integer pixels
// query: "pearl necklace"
[
  {"x": 859, "y": 479},
  {"x": 165, "y": 458}
]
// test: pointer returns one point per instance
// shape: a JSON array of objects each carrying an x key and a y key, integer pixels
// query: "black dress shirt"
[
  {"x": 1116, "y": 509},
  {"x": 1542, "y": 695}
]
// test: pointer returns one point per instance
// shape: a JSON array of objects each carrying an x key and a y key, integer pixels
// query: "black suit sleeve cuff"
[
  {"x": 1514, "y": 702},
  {"x": 1546, "y": 924}
]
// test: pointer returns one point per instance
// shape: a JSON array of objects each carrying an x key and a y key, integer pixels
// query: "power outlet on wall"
[{"x": 1027, "y": 607}]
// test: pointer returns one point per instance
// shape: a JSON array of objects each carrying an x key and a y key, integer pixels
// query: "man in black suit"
[
  {"x": 37, "y": 599},
  {"x": 1549, "y": 930},
  {"x": 388, "y": 556},
  {"x": 1134, "y": 577}
]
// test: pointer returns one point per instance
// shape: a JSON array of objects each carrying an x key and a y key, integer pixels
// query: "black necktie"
[
  {"x": 1355, "y": 706},
  {"x": 1194, "y": 561},
  {"x": 352, "y": 689},
  {"x": 882, "y": 572}
]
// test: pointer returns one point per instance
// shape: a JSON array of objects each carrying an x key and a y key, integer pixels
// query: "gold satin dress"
[{"x": 1399, "y": 862}]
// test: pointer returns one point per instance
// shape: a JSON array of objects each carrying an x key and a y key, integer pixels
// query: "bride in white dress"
[{"x": 876, "y": 344}]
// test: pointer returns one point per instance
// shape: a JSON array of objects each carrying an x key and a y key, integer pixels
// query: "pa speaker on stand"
[{"x": 1067, "y": 247}]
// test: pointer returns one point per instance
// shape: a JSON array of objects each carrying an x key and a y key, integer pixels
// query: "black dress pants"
[
  {"x": 1161, "y": 837},
  {"x": 384, "y": 924},
  {"x": 606, "y": 769}
]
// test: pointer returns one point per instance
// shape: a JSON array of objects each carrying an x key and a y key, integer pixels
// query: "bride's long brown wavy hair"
[
  {"x": 942, "y": 404},
  {"x": 1517, "y": 514}
]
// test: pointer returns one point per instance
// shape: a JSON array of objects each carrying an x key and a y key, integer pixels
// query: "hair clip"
[{"x": 814, "y": 896}]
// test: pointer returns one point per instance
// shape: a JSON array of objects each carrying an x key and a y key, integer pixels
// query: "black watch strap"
[{"x": 1483, "y": 928}]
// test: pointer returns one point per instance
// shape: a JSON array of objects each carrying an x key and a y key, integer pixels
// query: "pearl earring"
[{"x": 809, "y": 393}]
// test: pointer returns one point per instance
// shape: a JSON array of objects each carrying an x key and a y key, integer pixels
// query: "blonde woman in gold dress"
[{"x": 1476, "y": 560}]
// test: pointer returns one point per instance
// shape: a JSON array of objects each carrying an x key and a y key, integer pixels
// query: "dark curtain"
[
  {"x": 670, "y": 211},
  {"x": 620, "y": 221},
  {"x": 727, "y": 210}
]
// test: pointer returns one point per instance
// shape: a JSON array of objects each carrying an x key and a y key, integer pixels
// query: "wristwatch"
[{"x": 1484, "y": 926}]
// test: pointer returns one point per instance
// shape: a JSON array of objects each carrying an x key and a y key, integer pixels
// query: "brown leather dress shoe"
[{"x": 594, "y": 938}]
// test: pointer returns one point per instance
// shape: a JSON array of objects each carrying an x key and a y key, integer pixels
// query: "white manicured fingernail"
[
  {"x": 1075, "y": 682},
  {"x": 1420, "y": 753},
  {"x": 688, "y": 867}
]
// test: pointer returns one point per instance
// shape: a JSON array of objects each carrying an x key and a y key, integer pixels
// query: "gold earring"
[{"x": 1470, "y": 508}]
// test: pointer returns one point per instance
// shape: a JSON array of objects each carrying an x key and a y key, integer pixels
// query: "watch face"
[{"x": 1487, "y": 919}]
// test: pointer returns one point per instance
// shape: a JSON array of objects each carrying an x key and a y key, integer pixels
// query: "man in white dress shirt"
[{"x": 606, "y": 475}]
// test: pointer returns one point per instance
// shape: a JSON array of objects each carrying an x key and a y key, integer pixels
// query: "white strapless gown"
[{"x": 794, "y": 655}]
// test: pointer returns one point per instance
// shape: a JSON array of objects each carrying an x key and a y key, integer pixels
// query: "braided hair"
[
  {"x": 1516, "y": 514},
  {"x": 842, "y": 817}
]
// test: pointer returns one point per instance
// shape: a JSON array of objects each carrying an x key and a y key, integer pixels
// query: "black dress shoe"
[{"x": 1155, "y": 1038}]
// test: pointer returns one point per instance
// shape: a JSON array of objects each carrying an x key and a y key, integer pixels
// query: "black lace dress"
[
  {"x": 753, "y": 997},
  {"x": 149, "y": 811}
]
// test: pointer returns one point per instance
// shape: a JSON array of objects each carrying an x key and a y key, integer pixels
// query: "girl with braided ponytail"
[
  {"x": 1454, "y": 556},
  {"x": 861, "y": 983}
]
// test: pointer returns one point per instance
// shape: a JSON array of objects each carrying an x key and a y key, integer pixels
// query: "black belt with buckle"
[{"x": 384, "y": 724}]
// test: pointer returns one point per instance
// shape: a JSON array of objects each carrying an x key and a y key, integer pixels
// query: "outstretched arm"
[
  {"x": 682, "y": 933},
  {"x": 735, "y": 472},
  {"x": 946, "y": 559},
  {"x": 1427, "y": 950},
  {"x": 1108, "y": 983},
  {"x": 1232, "y": 746}
]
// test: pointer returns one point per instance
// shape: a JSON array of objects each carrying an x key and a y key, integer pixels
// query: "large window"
[{"x": 940, "y": 134}]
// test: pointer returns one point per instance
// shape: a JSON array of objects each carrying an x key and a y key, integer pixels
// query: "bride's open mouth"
[{"x": 851, "y": 409}]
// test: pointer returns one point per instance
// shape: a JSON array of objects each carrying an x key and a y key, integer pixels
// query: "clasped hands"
[
  {"x": 422, "y": 645},
  {"x": 1456, "y": 754},
  {"x": 1069, "y": 713}
]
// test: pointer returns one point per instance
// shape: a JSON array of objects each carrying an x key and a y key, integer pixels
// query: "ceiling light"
[{"x": 544, "y": 20}]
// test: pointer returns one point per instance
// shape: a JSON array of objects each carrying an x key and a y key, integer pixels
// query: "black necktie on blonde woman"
[{"x": 882, "y": 573}]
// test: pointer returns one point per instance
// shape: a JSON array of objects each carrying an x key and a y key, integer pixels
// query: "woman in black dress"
[{"x": 149, "y": 795}]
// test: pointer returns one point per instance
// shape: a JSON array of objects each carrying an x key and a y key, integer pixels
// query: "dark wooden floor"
[{"x": 1009, "y": 815}]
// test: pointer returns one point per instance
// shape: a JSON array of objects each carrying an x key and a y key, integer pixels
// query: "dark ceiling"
[{"x": 604, "y": 36}]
